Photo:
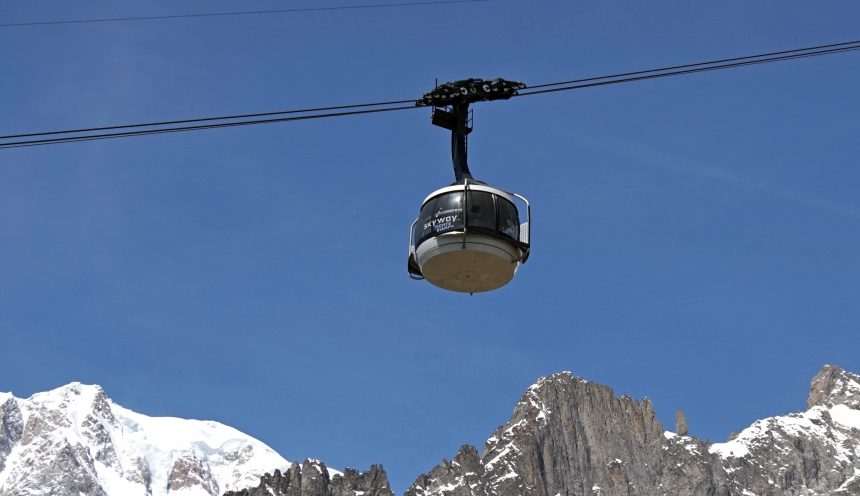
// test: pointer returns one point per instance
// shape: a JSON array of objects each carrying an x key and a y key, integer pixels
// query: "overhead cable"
[
  {"x": 145, "y": 132},
  {"x": 697, "y": 64},
  {"x": 205, "y": 119},
  {"x": 129, "y": 130},
  {"x": 654, "y": 73},
  {"x": 241, "y": 13}
]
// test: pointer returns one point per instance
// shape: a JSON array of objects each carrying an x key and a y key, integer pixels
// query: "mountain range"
[{"x": 567, "y": 437}]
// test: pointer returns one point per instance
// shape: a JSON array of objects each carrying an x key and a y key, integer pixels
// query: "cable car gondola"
[{"x": 469, "y": 236}]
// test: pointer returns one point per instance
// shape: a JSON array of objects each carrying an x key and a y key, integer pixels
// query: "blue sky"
[{"x": 696, "y": 238}]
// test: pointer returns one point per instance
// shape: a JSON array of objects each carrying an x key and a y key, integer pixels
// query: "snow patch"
[
  {"x": 846, "y": 416},
  {"x": 731, "y": 449}
]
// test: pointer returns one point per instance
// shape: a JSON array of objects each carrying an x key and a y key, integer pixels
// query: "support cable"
[
  {"x": 679, "y": 73},
  {"x": 697, "y": 64},
  {"x": 145, "y": 132},
  {"x": 240, "y": 13},
  {"x": 130, "y": 130},
  {"x": 205, "y": 119}
]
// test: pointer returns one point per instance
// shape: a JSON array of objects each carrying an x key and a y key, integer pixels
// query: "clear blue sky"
[{"x": 696, "y": 239}]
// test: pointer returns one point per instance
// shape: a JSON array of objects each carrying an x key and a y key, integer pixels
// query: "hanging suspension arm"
[
  {"x": 459, "y": 142},
  {"x": 450, "y": 102}
]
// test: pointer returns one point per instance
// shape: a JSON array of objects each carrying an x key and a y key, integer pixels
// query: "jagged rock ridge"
[
  {"x": 312, "y": 479},
  {"x": 572, "y": 437}
]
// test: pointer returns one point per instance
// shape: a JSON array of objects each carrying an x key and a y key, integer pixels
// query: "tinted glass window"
[
  {"x": 481, "y": 211},
  {"x": 439, "y": 215},
  {"x": 509, "y": 221}
]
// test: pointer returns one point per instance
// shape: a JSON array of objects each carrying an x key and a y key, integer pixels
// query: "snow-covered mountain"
[{"x": 75, "y": 440}]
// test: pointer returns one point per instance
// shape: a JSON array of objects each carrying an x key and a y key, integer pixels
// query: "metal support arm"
[{"x": 459, "y": 147}]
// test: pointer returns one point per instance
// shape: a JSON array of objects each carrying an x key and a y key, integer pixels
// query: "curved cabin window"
[
  {"x": 440, "y": 215},
  {"x": 509, "y": 220},
  {"x": 482, "y": 211}
]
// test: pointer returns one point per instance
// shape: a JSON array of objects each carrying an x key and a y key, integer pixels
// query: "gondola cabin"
[{"x": 469, "y": 238}]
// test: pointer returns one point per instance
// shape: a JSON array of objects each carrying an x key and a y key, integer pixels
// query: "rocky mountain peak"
[
  {"x": 834, "y": 386},
  {"x": 566, "y": 436},
  {"x": 573, "y": 437}
]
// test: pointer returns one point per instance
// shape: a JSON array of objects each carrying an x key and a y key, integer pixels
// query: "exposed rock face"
[
  {"x": 11, "y": 427},
  {"x": 566, "y": 436},
  {"x": 464, "y": 475},
  {"x": 834, "y": 386},
  {"x": 571, "y": 437},
  {"x": 55, "y": 463},
  {"x": 312, "y": 479},
  {"x": 71, "y": 473},
  {"x": 187, "y": 472},
  {"x": 681, "y": 428}
]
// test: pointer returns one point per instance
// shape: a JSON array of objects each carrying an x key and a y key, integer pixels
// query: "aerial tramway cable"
[
  {"x": 239, "y": 13},
  {"x": 645, "y": 76},
  {"x": 208, "y": 119},
  {"x": 131, "y": 130},
  {"x": 145, "y": 132},
  {"x": 698, "y": 64}
]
